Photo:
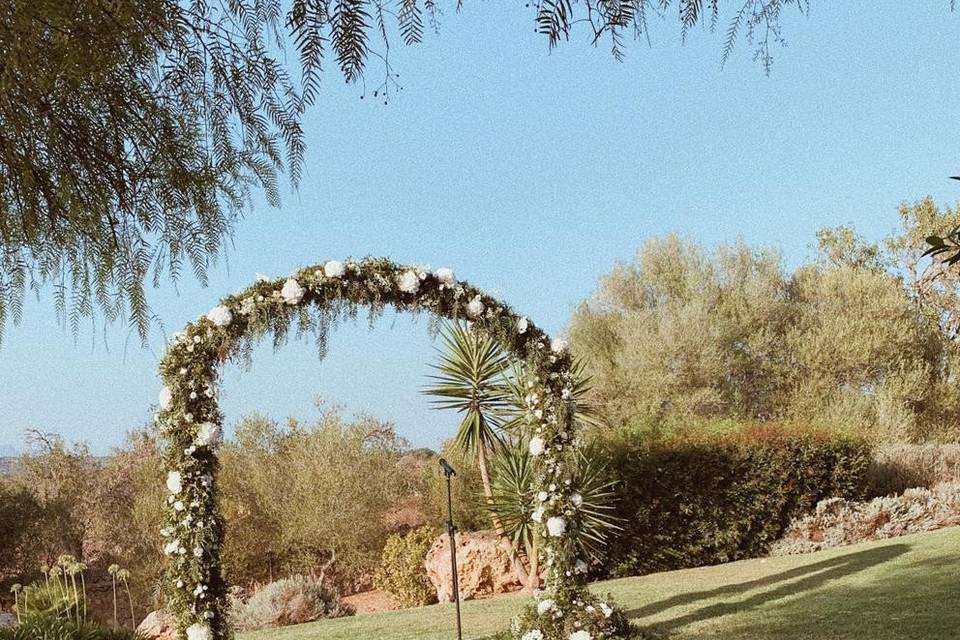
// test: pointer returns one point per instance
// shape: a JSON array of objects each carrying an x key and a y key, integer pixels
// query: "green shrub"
[
  {"x": 51, "y": 628},
  {"x": 693, "y": 502},
  {"x": 402, "y": 573},
  {"x": 49, "y": 599},
  {"x": 293, "y": 600},
  {"x": 19, "y": 514}
]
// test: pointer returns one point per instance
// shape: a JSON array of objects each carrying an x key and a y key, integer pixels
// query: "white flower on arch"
[
  {"x": 334, "y": 269},
  {"x": 556, "y": 526},
  {"x": 537, "y": 446},
  {"x": 174, "y": 482},
  {"x": 292, "y": 292},
  {"x": 475, "y": 307},
  {"x": 522, "y": 325},
  {"x": 545, "y": 605},
  {"x": 165, "y": 398},
  {"x": 199, "y": 631},
  {"x": 208, "y": 435},
  {"x": 220, "y": 315},
  {"x": 408, "y": 282}
]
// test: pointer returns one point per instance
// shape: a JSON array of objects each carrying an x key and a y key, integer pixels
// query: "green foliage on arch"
[{"x": 311, "y": 300}]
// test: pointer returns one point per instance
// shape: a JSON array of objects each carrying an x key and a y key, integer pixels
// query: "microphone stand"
[{"x": 451, "y": 531}]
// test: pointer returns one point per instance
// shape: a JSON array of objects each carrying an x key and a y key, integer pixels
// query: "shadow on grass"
[{"x": 792, "y": 582}]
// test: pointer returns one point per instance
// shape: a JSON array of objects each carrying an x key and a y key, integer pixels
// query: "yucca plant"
[
  {"x": 513, "y": 504},
  {"x": 585, "y": 413},
  {"x": 470, "y": 379}
]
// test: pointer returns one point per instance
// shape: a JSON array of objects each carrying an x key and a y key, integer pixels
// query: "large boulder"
[
  {"x": 486, "y": 565},
  {"x": 159, "y": 625}
]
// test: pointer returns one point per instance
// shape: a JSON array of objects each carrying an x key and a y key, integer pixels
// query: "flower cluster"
[
  {"x": 190, "y": 419},
  {"x": 571, "y": 615}
]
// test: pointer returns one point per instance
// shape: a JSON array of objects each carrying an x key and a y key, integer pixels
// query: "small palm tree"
[
  {"x": 585, "y": 413},
  {"x": 470, "y": 380},
  {"x": 514, "y": 503},
  {"x": 514, "y": 500}
]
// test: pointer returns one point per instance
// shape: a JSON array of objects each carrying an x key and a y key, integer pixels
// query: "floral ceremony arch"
[{"x": 312, "y": 299}]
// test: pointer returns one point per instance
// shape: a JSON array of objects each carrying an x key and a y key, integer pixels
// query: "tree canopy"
[
  {"x": 863, "y": 338},
  {"x": 132, "y": 133}
]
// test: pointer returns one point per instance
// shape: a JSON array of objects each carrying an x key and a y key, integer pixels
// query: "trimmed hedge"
[{"x": 719, "y": 498}]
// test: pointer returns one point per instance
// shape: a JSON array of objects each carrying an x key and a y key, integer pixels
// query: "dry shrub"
[
  {"x": 837, "y": 522},
  {"x": 899, "y": 467},
  {"x": 293, "y": 600}
]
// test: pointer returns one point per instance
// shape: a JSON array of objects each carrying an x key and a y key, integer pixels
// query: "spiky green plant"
[
  {"x": 45, "y": 599},
  {"x": 470, "y": 380},
  {"x": 585, "y": 412},
  {"x": 514, "y": 503}
]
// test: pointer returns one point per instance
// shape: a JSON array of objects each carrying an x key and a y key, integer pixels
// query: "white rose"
[
  {"x": 292, "y": 292},
  {"x": 333, "y": 269},
  {"x": 607, "y": 609},
  {"x": 171, "y": 548},
  {"x": 522, "y": 325},
  {"x": 165, "y": 398},
  {"x": 534, "y": 634},
  {"x": 247, "y": 306},
  {"x": 577, "y": 500},
  {"x": 220, "y": 315},
  {"x": 544, "y": 605},
  {"x": 208, "y": 435},
  {"x": 475, "y": 307},
  {"x": 174, "y": 482},
  {"x": 558, "y": 345},
  {"x": 542, "y": 496},
  {"x": 580, "y": 635},
  {"x": 200, "y": 631},
  {"x": 178, "y": 506},
  {"x": 408, "y": 282},
  {"x": 537, "y": 516},
  {"x": 537, "y": 446},
  {"x": 556, "y": 526},
  {"x": 445, "y": 276}
]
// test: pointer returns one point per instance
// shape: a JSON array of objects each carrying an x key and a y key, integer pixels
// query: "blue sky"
[{"x": 530, "y": 173}]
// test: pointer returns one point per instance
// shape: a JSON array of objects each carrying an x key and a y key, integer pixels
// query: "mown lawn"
[{"x": 902, "y": 589}]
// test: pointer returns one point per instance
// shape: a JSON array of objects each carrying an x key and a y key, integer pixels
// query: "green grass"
[{"x": 901, "y": 589}]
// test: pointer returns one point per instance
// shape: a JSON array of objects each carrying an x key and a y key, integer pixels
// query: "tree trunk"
[
  {"x": 487, "y": 488},
  {"x": 533, "y": 572}
]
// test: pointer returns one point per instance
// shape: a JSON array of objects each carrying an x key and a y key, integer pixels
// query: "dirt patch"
[{"x": 371, "y": 602}]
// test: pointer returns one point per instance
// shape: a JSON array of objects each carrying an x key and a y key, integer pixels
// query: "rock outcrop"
[
  {"x": 485, "y": 565},
  {"x": 159, "y": 625}
]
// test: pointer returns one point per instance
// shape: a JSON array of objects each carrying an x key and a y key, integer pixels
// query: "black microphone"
[{"x": 447, "y": 469}]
